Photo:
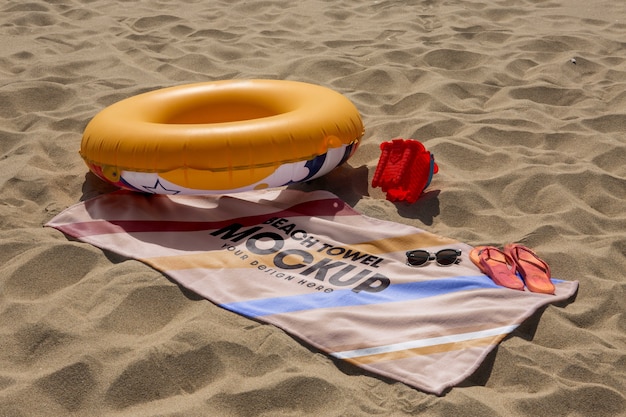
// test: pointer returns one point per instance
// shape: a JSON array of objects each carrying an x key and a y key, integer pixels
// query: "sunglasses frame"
[{"x": 434, "y": 257}]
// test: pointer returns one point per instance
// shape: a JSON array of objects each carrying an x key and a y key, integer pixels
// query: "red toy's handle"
[{"x": 405, "y": 168}]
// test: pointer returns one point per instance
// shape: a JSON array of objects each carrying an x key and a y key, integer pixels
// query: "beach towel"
[{"x": 313, "y": 266}]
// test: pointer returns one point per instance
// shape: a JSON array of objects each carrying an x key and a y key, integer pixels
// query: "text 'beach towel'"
[{"x": 311, "y": 265}]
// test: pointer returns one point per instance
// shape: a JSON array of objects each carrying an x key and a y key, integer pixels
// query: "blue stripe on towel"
[{"x": 347, "y": 298}]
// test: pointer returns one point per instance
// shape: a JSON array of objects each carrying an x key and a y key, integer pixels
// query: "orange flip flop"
[
  {"x": 497, "y": 265},
  {"x": 534, "y": 271},
  {"x": 475, "y": 257}
]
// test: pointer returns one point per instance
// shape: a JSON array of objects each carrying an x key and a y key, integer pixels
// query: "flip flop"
[
  {"x": 497, "y": 265},
  {"x": 534, "y": 271}
]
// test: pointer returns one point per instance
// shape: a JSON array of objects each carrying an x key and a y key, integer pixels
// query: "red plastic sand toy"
[{"x": 405, "y": 168}]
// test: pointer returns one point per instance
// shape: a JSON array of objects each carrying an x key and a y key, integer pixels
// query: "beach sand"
[{"x": 523, "y": 104}]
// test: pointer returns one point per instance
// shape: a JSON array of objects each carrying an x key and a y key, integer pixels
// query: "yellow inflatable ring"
[{"x": 224, "y": 136}]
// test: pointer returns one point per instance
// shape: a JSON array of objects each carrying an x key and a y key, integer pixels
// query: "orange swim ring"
[{"x": 220, "y": 137}]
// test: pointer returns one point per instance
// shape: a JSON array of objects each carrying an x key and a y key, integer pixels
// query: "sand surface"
[{"x": 522, "y": 102}]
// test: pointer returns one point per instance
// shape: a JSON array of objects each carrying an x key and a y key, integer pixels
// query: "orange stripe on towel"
[
  {"x": 223, "y": 258},
  {"x": 427, "y": 350}
]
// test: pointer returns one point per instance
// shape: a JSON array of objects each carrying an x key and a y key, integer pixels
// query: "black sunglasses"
[{"x": 445, "y": 257}]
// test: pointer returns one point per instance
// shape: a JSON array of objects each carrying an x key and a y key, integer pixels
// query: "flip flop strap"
[
  {"x": 543, "y": 264},
  {"x": 507, "y": 259}
]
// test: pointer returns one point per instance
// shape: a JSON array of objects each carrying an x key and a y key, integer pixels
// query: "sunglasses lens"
[
  {"x": 447, "y": 257},
  {"x": 417, "y": 257}
]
